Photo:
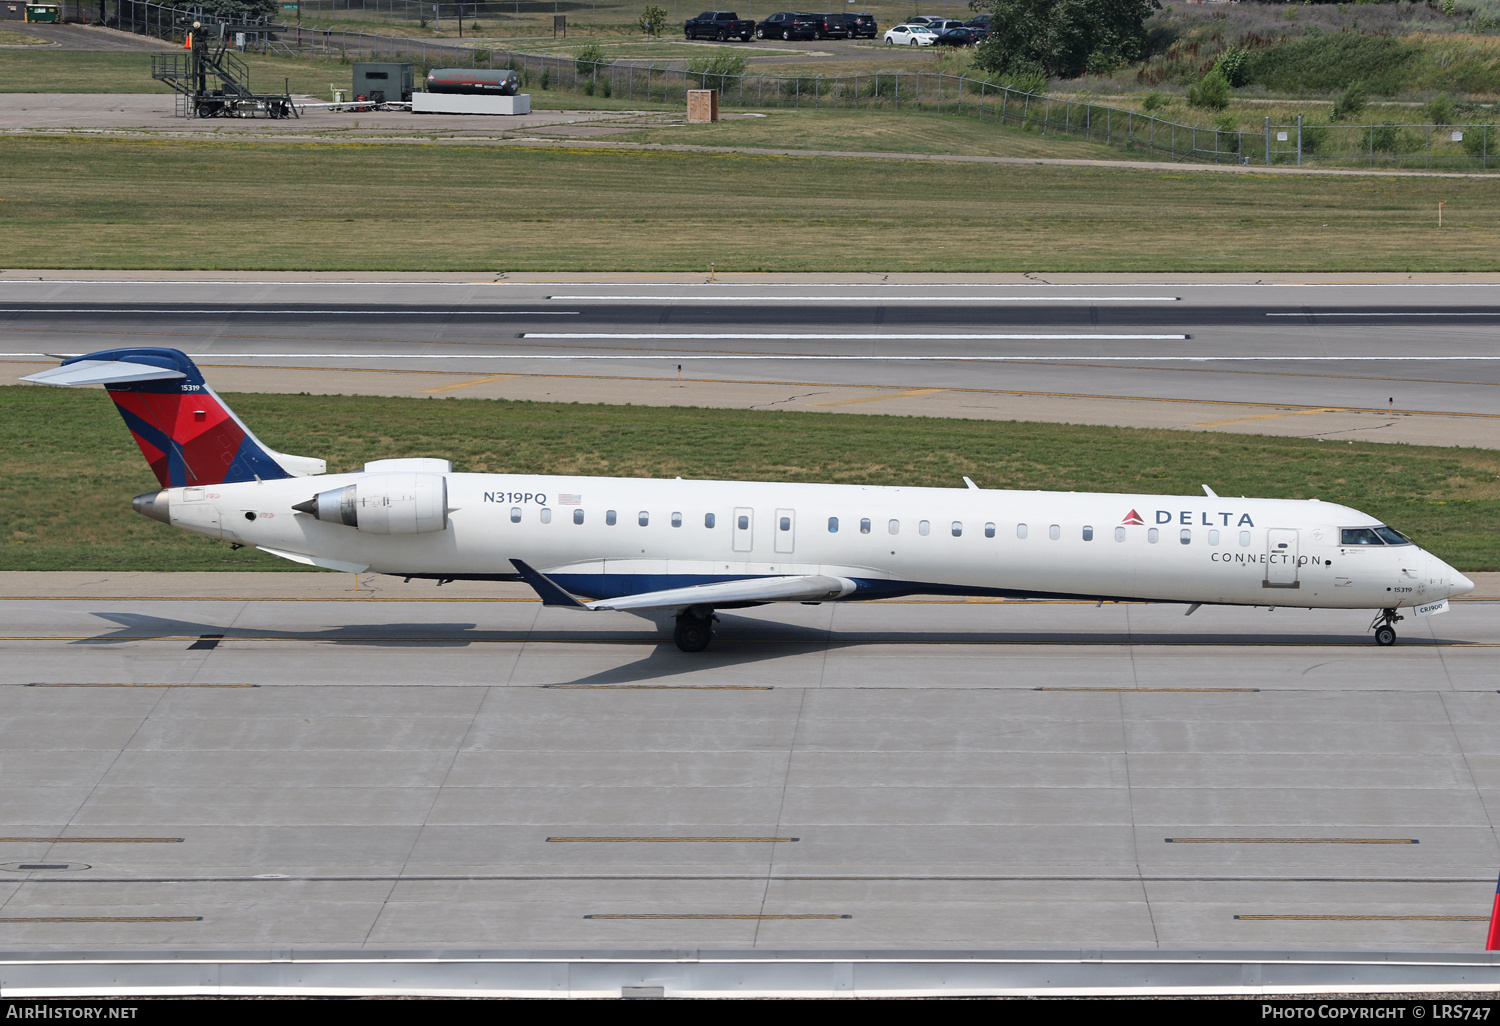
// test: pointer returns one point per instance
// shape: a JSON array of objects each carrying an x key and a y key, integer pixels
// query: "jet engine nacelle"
[{"x": 385, "y": 504}]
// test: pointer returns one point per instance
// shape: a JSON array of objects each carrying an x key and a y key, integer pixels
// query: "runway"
[
  {"x": 278, "y": 765},
  {"x": 1391, "y": 361}
]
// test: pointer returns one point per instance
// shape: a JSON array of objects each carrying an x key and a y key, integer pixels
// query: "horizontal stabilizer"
[
  {"x": 102, "y": 372},
  {"x": 809, "y": 588}
]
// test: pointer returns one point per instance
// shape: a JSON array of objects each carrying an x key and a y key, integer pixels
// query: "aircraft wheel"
[
  {"x": 693, "y": 633},
  {"x": 1385, "y": 635}
]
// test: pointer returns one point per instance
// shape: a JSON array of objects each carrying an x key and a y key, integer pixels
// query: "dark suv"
[
  {"x": 832, "y": 26},
  {"x": 863, "y": 25},
  {"x": 788, "y": 25}
]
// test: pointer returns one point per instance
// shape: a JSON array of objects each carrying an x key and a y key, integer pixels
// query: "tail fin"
[{"x": 185, "y": 431}]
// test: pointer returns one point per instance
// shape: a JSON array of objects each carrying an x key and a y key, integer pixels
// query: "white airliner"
[{"x": 690, "y": 547}]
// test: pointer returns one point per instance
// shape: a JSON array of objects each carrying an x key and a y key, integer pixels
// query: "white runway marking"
[
  {"x": 844, "y": 336},
  {"x": 884, "y": 299},
  {"x": 383, "y": 311},
  {"x": 1408, "y": 313}
]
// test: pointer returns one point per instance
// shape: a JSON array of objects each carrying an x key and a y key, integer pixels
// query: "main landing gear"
[
  {"x": 694, "y": 630},
  {"x": 1384, "y": 626}
]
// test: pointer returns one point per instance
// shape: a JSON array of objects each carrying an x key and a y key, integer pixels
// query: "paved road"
[
  {"x": 88, "y": 37},
  {"x": 416, "y": 772},
  {"x": 1319, "y": 359}
]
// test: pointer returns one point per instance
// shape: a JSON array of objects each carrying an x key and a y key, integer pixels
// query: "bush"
[
  {"x": 546, "y": 78},
  {"x": 1350, "y": 104},
  {"x": 1154, "y": 100},
  {"x": 474, "y": 26},
  {"x": 1211, "y": 92},
  {"x": 1479, "y": 140},
  {"x": 887, "y": 85},
  {"x": 805, "y": 85},
  {"x": 1234, "y": 64},
  {"x": 1228, "y": 136},
  {"x": 481, "y": 55},
  {"x": 588, "y": 58},
  {"x": 1384, "y": 138},
  {"x": 718, "y": 72},
  {"x": 1439, "y": 110}
]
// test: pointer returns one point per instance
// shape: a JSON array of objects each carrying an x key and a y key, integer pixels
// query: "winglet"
[
  {"x": 545, "y": 587},
  {"x": 1210, "y": 492},
  {"x": 972, "y": 486}
]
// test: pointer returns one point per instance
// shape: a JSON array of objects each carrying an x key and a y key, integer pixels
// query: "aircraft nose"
[
  {"x": 1460, "y": 585},
  {"x": 1453, "y": 582}
]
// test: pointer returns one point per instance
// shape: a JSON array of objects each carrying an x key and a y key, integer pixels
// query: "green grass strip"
[{"x": 68, "y": 467}]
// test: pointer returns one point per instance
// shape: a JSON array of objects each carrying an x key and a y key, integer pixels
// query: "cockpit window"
[
  {"x": 1392, "y": 536},
  {"x": 1361, "y": 536}
]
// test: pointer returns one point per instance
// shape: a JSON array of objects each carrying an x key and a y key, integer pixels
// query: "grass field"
[
  {"x": 101, "y": 203},
  {"x": 22, "y": 39},
  {"x": 68, "y": 468}
]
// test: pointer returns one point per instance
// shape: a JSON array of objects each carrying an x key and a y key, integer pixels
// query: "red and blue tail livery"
[{"x": 185, "y": 431}]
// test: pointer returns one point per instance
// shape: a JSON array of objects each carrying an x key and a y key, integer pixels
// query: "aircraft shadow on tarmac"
[{"x": 741, "y": 641}]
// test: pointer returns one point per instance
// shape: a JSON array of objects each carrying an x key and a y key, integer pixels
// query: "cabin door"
[{"x": 1281, "y": 558}]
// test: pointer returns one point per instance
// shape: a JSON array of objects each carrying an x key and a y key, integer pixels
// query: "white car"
[{"x": 910, "y": 35}]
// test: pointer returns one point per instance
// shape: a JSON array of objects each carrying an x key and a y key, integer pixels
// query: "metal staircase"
[{"x": 212, "y": 82}]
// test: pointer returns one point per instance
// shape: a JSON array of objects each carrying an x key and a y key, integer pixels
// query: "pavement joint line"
[
  {"x": 1378, "y": 919},
  {"x": 712, "y": 915},
  {"x": 1349, "y": 642},
  {"x": 101, "y": 919},
  {"x": 659, "y": 687},
  {"x": 1292, "y": 840},
  {"x": 91, "y": 840},
  {"x": 670, "y": 840},
  {"x": 1149, "y": 689},
  {"x": 799, "y": 878},
  {"x": 59, "y": 684}
]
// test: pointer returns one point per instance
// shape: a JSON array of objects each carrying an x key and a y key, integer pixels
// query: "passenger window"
[
  {"x": 864, "y": 526},
  {"x": 546, "y": 515},
  {"x": 1213, "y": 537},
  {"x": 643, "y": 518},
  {"x": 609, "y": 517},
  {"x": 1119, "y": 534},
  {"x": 989, "y": 530},
  {"x": 1020, "y": 530},
  {"x": 894, "y": 527},
  {"x": 833, "y": 525},
  {"x": 578, "y": 516},
  {"x": 785, "y": 523},
  {"x": 515, "y": 514},
  {"x": 1245, "y": 539},
  {"x": 1152, "y": 535},
  {"x": 676, "y": 519},
  {"x": 1088, "y": 533},
  {"x": 924, "y": 528},
  {"x": 1054, "y": 532},
  {"x": 744, "y": 523},
  {"x": 708, "y": 520},
  {"x": 1186, "y": 537},
  {"x": 958, "y": 528}
]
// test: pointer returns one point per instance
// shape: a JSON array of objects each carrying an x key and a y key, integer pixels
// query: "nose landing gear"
[
  {"x": 694, "y": 630},
  {"x": 1384, "y": 626}
]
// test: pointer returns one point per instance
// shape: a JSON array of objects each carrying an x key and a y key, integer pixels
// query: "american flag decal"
[{"x": 564, "y": 499}]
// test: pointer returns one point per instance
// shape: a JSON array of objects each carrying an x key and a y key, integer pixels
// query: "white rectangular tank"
[{"x": 454, "y": 103}]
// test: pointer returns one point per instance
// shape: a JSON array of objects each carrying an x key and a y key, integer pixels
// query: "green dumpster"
[{"x": 43, "y": 13}]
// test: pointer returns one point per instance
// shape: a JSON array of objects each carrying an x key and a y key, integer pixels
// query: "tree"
[
  {"x": 653, "y": 19},
  {"x": 231, "y": 10},
  {"x": 1062, "y": 38}
]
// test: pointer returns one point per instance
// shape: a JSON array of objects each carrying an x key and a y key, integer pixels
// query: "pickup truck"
[{"x": 718, "y": 25}]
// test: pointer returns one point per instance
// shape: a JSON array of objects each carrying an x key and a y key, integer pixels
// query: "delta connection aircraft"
[{"x": 691, "y": 547}]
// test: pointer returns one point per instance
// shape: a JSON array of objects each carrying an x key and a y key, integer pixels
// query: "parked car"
[
  {"x": 910, "y": 35},
  {"x": 981, "y": 22},
  {"x": 720, "y": 25},
  {"x": 941, "y": 25},
  {"x": 864, "y": 25},
  {"x": 958, "y": 35},
  {"x": 831, "y": 26},
  {"x": 922, "y": 19},
  {"x": 787, "y": 25}
]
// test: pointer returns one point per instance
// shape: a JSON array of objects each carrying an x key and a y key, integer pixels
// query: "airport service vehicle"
[
  {"x": 688, "y": 548},
  {"x": 720, "y": 25},
  {"x": 788, "y": 25},
  {"x": 910, "y": 35}
]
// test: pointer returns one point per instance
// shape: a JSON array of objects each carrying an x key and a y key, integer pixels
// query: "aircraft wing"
[{"x": 803, "y": 588}]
